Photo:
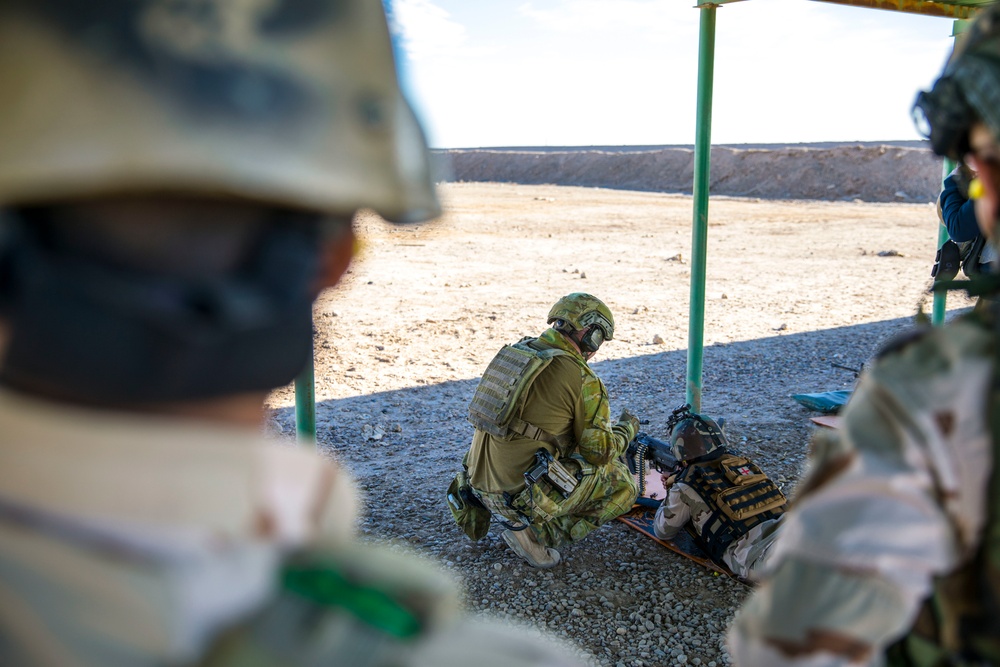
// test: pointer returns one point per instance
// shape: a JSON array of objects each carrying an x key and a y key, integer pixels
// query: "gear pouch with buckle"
[
  {"x": 468, "y": 512},
  {"x": 751, "y": 493}
]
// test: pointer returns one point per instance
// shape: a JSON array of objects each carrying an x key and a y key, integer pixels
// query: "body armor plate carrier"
[
  {"x": 740, "y": 494},
  {"x": 499, "y": 397}
]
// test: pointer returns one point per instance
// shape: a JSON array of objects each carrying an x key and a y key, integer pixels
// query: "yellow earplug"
[{"x": 976, "y": 189}]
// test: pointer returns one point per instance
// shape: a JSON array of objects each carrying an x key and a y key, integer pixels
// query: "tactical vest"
[
  {"x": 960, "y": 623},
  {"x": 740, "y": 496},
  {"x": 499, "y": 398}
]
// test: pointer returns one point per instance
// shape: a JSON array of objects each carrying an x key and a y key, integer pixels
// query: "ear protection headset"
[{"x": 592, "y": 338}]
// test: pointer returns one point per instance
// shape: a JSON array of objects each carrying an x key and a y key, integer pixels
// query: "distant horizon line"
[{"x": 899, "y": 143}]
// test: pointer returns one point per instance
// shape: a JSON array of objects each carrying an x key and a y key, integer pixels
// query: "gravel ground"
[{"x": 793, "y": 287}]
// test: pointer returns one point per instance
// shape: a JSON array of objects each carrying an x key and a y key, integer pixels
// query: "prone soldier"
[{"x": 730, "y": 506}]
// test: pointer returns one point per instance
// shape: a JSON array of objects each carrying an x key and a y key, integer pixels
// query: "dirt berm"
[{"x": 866, "y": 172}]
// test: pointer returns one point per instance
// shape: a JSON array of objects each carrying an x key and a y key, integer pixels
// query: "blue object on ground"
[{"x": 827, "y": 402}]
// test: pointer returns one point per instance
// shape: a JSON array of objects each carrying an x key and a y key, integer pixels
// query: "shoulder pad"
[
  {"x": 543, "y": 352},
  {"x": 526, "y": 342}
]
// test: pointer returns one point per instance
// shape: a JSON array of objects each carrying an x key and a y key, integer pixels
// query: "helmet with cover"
[
  {"x": 292, "y": 103},
  {"x": 696, "y": 436},
  {"x": 967, "y": 91},
  {"x": 579, "y": 311},
  {"x": 139, "y": 137}
]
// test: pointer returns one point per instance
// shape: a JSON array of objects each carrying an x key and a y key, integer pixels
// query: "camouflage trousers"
[{"x": 603, "y": 493}]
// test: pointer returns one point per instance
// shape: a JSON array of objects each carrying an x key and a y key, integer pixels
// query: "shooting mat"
[{"x": 640, "y": 517}]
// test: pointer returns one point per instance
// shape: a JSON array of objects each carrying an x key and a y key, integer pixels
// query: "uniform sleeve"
[
  {"x": 672, "y": 514},
  {"x": 597, "y": 440},
  {"x": 893, "y": 499},
  {"x": 957, "y": 212}
]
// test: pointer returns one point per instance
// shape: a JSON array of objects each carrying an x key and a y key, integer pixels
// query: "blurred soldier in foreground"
[
  {"x": 733, "y": 508},
  {"x": 177, "y": 183},
  {"x": 892, "y": 548},
  {"x": 545, "y": 457}
]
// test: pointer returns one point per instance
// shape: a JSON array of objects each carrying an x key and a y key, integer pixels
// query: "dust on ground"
[{"x": 793, "y": 287}]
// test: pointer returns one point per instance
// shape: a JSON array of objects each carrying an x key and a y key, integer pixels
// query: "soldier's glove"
[
  {"x": 946, "y": 262},
  {"x": 630, "y": 422}
]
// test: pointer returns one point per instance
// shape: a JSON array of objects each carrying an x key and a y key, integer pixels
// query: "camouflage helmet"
[
  {"x": 967, "y": 91},
  {"x": 695, "y": 436},
  {"x": 294, "y": 103},
  {"x": 580, "y": 311}
]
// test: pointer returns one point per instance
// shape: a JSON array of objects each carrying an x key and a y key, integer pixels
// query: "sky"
[{"x": 624, "y": 72}]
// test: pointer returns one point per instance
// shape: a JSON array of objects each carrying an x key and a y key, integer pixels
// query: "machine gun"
[{"x": 645, "y": 449}]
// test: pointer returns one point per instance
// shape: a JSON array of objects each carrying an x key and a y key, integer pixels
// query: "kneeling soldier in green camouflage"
[
  {"x": 733, "y": 508},
  {"x": 545, "y": 457}
]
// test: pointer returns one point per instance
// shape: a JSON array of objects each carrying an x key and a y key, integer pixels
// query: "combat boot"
[{"x": 525, "y": 545}]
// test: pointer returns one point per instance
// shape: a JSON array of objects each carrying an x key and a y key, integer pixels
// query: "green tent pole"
[
  {"x": 699, "y": 228},
  {"x": 305, "y": 403},
  {"x": 940, "y": 298}
]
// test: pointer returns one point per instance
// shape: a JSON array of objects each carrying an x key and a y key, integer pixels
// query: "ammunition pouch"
[{"x": 469, "y": 513}]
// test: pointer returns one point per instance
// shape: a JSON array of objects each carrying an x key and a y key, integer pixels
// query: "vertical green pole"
[
  {"x": 305, "y": 404},
  {"x": 699, "y": 230},
  {"x": 940, "y": 298}
]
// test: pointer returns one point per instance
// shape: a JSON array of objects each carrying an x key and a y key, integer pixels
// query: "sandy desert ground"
[{"x": 793, "y": 288}]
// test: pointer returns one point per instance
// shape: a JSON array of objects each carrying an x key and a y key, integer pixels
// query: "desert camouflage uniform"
[
  {"x": 135, "y": 540},
  {"x": 181, "y": 543},
  {"x": 895, "y": 501},
  {"x": 570, "y": 402},
  {"x": 744, "y": 557}
]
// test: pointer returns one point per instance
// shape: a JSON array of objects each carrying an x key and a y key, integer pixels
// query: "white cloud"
[{"x": 427, "y": 30}]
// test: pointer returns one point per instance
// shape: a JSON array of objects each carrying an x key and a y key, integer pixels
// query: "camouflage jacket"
[
  {"x": 894, "y": 500},
  {"x": 128, "y": 540},
  {"x": 566, "y": 399}
]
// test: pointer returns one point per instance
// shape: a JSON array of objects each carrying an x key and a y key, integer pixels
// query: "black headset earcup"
[{"x": 592, "y": 339}]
